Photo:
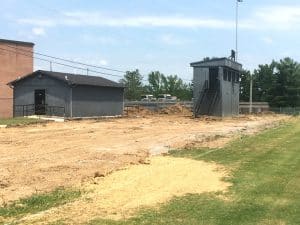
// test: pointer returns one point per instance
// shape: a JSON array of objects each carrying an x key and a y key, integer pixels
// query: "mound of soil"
[
  {"x": 176, "y": 109},
  {"x": 138, "y": 111}
]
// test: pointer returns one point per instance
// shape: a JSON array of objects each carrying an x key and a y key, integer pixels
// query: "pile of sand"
[
  {"x": 122, "y": 193},
  {"x": 138, "y": 111},
  {"x": 176, "y": 109}
]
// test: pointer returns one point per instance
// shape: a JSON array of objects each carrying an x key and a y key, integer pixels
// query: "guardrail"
[{"x": 286, "y": 110}]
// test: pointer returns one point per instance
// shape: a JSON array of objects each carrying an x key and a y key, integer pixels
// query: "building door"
[
  {"x": 40, "y": 102},
  {"x": 213, "y": 78}
]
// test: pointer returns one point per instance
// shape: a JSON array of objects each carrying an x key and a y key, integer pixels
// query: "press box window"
[
  {"x": 229, "y": 76},
  {"x": 225, "y": 75}
]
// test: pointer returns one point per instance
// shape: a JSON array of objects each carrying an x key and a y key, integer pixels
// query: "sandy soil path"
[{"x": 122, "y": 193}]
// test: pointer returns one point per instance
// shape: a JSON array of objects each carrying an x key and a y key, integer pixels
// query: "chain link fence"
[{"x": 286, "y": 110}]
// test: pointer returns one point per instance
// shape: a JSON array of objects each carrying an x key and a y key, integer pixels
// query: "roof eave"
[{"x": 16, "y": 42}]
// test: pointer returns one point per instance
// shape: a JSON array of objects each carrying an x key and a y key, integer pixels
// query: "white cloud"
[
  {"x": 103, "y": 62},
  {"x": 279, "y": 17},
  {"x": 271, "y": 17},
  {"x": 38, "y": 31},
  {"x": 38, "y": 22},
  {"x": 97, "y": 19}
]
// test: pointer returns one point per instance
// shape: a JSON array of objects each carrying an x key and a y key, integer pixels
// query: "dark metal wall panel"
[
  {"x": 230, "y": 98},
  {"x": 89, "y": 101},
  {"x": 200, "y": 76},
  {"x": 57, "y": 93}
]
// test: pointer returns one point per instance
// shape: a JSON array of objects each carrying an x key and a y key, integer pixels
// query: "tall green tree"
[
  {"x": 173, "y": 84},
  {"x": 277, "y": 83},
  {"x": 287, "y": 88},
  {"x": 133, "y": 83},
  {"x": 157, "y": 83},
  {"x": 264, "y": 80},
  {"x": 245, "y": 85}
]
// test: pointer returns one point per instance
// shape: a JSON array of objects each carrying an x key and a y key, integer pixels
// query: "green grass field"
[
  {"x": 266, "y": 184},
  {"x": 19, "y": 121},
  {"x": 265, "y": 177},
  {"x": 38, "y": 203}
]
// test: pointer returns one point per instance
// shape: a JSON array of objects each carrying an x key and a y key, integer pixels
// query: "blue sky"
[{"x": 152, "y": 35}]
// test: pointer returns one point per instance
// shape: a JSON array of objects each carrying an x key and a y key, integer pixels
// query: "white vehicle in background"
[
  {"x": 166, "y": 98},
  {"x": 147, "y": 98}
]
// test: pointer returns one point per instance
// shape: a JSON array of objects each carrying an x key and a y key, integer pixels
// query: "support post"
[{"x": 251, "y": 89}]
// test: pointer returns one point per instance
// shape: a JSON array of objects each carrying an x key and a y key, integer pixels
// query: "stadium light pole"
[
  {"x": 236, "y": 27},
  {"x": 236, "y": 50}
]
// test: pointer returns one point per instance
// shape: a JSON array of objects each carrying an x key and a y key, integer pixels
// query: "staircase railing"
[
  {"x": 211, "y": 96},
  {"x": 215, "y": 97},
  {"x": 203, "y": 93}
]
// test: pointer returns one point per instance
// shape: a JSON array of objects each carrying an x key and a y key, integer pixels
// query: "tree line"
[
  {"x": 158, "y": 83},
  {"x": 277, "y": 83}
]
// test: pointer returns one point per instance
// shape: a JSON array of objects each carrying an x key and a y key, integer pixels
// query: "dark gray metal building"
[
  {"x": 68, "y": 95},
  {"x": 216, "y": 87}
]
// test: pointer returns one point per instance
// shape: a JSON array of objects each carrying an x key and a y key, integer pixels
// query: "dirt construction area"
[{"x": 39, "y": 158}]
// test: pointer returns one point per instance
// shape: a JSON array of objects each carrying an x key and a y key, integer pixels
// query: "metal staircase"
[{"x": 207, "y": 100}]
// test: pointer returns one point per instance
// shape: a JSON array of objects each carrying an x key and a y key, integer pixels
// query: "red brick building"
[{"x": 16, "y": 59}]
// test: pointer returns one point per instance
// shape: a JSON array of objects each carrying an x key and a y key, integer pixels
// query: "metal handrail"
[
  {"x": 30, "y": 109},
  {"x": 203, "y": 93}
]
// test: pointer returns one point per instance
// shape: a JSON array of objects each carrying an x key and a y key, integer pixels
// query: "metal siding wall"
[
  {"x": 57, "y": 93},
  {"x": 89, "y": 101},
  {"x": 200, "y": 76},
  {"x": 236, "y": 99},
  {"x": 226, "y": 98},
  {"x": 218, "y": 106},
  {"x": 230, "y": 98}
]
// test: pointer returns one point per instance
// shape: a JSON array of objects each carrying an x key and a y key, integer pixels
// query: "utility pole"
[{"x": 250, "y": 97}]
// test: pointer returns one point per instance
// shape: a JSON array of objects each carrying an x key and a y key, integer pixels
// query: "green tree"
[
  {"x": 157, "y": 83},
  {"x": 264, "y": 80},
  {"x": 277, "y": 83},
  {"x": 161, "y": 84},
  {"x": 245, "y": 85},
  {"x": 176, "y": 87},
  {"x": 186, "y": 92},
  {"x": 173, "y": 84},
  {"x": 133, "y": 83},
  {"x": 287, "y": 88}
]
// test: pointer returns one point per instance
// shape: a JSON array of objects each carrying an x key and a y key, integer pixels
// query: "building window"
[
  {"x": 237, "y": 78},
  {"x": 229, "y": 76},
  {"x": 225, "y": 74}
]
